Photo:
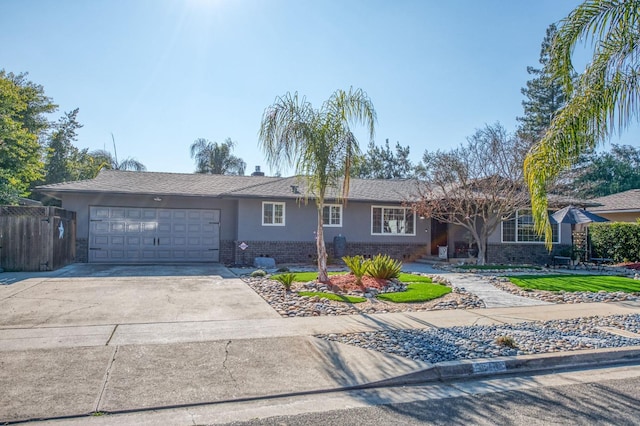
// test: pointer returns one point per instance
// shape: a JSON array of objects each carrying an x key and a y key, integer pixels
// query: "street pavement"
[{"x": 93, "y": 339}]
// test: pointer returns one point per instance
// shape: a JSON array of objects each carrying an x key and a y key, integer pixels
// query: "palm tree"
[
  {"x": 106, "y": 160},
  {"x": 602, "y": 100},
  {"x": 318, "y": 143},
  {"x": 215, "y": 158}
]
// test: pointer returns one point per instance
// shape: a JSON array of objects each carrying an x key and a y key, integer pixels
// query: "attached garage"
[{"x": 153, "y": 235}]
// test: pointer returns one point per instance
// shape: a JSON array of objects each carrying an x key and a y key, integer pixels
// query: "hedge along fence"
[{"x": 619, "y": 241}]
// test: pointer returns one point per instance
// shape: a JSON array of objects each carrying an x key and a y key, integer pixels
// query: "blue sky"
[{"x": 159, "y": 74}]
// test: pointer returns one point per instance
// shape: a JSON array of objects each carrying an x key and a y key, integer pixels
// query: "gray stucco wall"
[{"x": 301, "y": 223}]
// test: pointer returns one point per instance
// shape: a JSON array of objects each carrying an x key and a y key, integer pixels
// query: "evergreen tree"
[
  {"x": 608, "y": 173},
  {"x": 380, "y": 162},
  {"x": 64, "y": 162},
  {"x": 544, "y": 95}
]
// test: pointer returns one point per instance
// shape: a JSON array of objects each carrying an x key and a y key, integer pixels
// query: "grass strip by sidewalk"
[{"x": 573, "y": 283}]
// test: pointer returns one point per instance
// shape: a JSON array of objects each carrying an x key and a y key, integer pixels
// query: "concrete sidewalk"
[{"x": 73, "y": 371}]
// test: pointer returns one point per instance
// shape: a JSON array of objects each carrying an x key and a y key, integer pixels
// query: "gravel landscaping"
[
  {"x": 290, "y": 304},
  {"x": 457, "y": 343}
]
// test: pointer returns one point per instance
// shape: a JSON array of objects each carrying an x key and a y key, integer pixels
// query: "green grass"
[
  {"x": 416, "y": 292},
  {"x": 333, "y": 296},
  {"x": 573, "y": 283},
  {"x": 410, "y": 278},
  {"x": 305, "y": 277},
  {"x": 498, "y": 267}
]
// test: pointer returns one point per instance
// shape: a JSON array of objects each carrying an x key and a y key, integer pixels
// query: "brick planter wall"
[
  {"x": 305, "y": 252},
  {"x": 522, "y": 253},
  {"x": 82, "y": 250}
]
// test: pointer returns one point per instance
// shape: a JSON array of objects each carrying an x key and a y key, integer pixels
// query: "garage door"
[{"x": 146, "y": 235}]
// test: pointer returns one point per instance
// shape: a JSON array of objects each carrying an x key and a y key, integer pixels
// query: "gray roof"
[
  {"x": 622, "y": 201},
  {"x": 223, "y": 186}
]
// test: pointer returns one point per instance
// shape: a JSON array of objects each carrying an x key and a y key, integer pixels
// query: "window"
[
  {"x": 392, "y": 221},
  {"x": 332, "y": 215},
  {"x": 519, "y": 229},
  {"x": 272, "y": 214}
]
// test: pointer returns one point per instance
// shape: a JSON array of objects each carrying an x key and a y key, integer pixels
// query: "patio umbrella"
[{"x": 575, "y": 215}]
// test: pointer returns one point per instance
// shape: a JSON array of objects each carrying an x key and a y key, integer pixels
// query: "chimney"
[{"x": 257, "y": 172}]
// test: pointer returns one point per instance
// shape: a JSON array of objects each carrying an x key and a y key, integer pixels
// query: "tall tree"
[
  {"x": 216, "y": 158},
  {"x": 544, "y": 95},
  {"x": 23, "y": 122},
  {"x": 380, "y": 162},
  {"x": 609, "y": 172},
  {"x": 475, "y": 185},
  {"x": 319, "y": 144},
  {"x": 107, "y": 160},
  {"x": 64, "y": 162},
  {"x": 603, "y": 99}
]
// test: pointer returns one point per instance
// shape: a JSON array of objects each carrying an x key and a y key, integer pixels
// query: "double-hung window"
[
  {"x": 332, "y": 215},
  {"x": 272, "y": 214},
  {"x": 392, "y": 221},
  {"x": 519, "y": 228}
]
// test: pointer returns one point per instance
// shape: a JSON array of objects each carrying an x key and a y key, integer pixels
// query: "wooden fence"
[{"x": 36, "y": 238}]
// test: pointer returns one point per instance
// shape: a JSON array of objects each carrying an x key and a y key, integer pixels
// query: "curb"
[{"x": 467, "y": 369}]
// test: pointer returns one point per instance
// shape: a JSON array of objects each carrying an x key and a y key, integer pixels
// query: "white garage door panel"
[{"x": 129, "y": 234}]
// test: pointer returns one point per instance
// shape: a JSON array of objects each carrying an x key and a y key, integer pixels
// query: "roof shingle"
[{"x": 202, "y": 185}]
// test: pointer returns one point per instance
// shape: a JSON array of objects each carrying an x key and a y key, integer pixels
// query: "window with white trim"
[
  {"x": 520, "y": 229},
  {"x": 392, "y": 221},
  {"x": 332, "y": 215},
  {"x": 272, "y": 214}
]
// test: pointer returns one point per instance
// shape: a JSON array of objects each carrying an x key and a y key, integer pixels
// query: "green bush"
[
  {"x": 285, "y": 279},
  {"x": 384, "y": 267},
  {"x": 358, "y": 266},
  {"x": 618, "y": 241},
  {"x": 258, "y": 273}
]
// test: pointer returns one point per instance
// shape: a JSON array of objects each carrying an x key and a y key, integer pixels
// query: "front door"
[{"x": 438, "y": 235}]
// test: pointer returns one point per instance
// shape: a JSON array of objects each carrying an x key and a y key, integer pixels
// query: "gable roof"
[
  {"x": 627, "y": 201},
  {"x": 224, "y": 186}
]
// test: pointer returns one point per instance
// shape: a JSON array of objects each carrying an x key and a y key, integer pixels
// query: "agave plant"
[
  {"x": 358, "y": 266},
  {"x": 384, "y": 267}
]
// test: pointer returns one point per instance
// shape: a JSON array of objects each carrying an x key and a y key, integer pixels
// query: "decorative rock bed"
[
  {"x": 455, "y": 343},
  {"x": 291, "y": 304}
]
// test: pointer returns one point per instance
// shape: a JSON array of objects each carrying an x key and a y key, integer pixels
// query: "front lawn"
[
  {"x": 416, "y": 292},
  {"x": 572, "y": 283},
  {"x": 333, "y": 296},
  {"x": 305, "y": 277},
  {"x": 411, "y": 278}
]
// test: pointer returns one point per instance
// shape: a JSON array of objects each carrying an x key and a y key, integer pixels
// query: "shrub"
[
  {"x": 506, "y": 341},
  {"x": 618, "y": 241},
  {"x": 258, "y": 273},
  {"x": 384, "y": 267},
  {"x": 285, "y": 279},
  {"x": 358, "y": 266}
]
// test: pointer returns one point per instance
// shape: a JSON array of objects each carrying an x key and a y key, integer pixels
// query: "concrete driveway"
[{"x": 86, "y": 294}]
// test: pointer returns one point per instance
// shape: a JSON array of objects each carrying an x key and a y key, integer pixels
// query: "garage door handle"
[{"x": 154, "y": 241}]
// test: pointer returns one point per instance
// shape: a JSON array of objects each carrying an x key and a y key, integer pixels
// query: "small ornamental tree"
[{"x": 476, "y": 185}]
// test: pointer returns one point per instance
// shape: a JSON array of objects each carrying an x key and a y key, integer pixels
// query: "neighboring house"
[
  {"x": 147, "y": 217},
  {"x": 620, "y": 207}
]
